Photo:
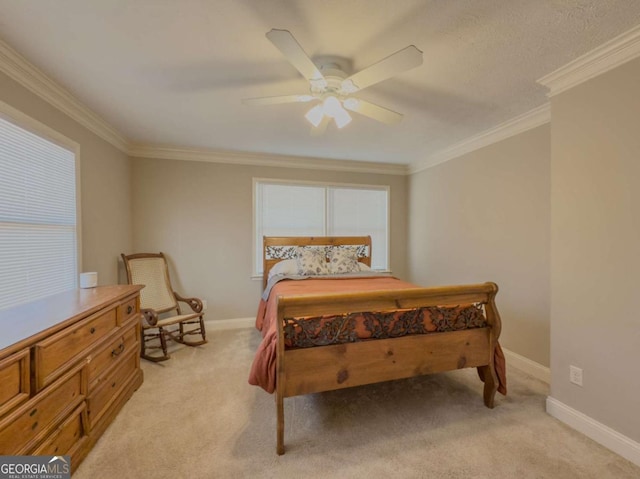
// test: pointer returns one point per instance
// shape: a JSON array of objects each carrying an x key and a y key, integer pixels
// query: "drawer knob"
[
  {"x": 92, "y": 330},
  {"x": 118, "y": 350},
  {"x": 33, "y": 412},
  {"x": 129, "y": 309},
  {"x": 35, "y": 425}
]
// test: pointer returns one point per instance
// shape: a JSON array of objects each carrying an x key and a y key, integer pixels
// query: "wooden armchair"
[{"x": 162, "y": 318}]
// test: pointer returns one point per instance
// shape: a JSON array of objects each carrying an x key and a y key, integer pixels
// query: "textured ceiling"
[{"x": 175, "y": 72}]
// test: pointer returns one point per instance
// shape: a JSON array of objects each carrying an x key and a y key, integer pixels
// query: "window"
[
  {"x": 38, "y": 231},
  {"x": 311, "y": 209}
]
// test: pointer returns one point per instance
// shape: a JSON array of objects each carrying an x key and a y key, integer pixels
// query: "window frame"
[
  {"x": 257, "y": 275},
  {"x": 26, "y": 122}
]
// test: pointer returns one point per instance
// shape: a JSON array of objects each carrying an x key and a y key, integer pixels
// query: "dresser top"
[{"x": 26, "y": 323}]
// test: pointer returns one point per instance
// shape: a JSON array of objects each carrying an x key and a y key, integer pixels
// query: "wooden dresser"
[{"x": 68, "y": 363}]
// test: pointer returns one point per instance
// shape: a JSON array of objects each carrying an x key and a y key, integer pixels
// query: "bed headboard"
[{"x": 278, "y": 248}]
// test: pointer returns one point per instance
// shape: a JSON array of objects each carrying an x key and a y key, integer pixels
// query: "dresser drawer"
[
  {"x": 24, "y": 428},
  {"x": 67, "y": 437},
  {"x": 14, "y": 381},
  {"x": 57, "y": 352},
  {"x": 127, "y": 310},
  {"x": 109, "y": 387},
  {"x": 115, "y": 349}
]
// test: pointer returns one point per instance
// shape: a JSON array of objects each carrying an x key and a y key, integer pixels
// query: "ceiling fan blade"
[
  {"x": 321, "y": 128},
  {"x": 291, "y": 49},
  {"x": 373, "y": 111},
  {"x": 403, "y": 60},
  {"x": 274, "y": 100}
]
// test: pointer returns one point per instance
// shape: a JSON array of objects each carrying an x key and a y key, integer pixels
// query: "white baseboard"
[
  {"x": 613, "y": 440},
  {"x": 528, "y": 366},
  {"x": 236, "y": 323}
]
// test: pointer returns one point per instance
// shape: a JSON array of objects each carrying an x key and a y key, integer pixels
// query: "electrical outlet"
[
  {"x": 204, "y": 304},
  {"x": 575, "y": 375}
]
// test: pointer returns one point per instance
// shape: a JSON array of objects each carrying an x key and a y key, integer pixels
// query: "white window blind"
[
  {"x": 360, "y": 212},
  {"x": 293, "y": 209},
  {"x": 38, "y": 241},
  {"x": 289, "y": 210}
]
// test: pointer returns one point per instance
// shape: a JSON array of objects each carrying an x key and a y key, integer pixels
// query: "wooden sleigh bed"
[{"x": 462, "y": 330}]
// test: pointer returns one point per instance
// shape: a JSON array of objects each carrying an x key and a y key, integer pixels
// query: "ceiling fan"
[{"x": 331, "y": 86}]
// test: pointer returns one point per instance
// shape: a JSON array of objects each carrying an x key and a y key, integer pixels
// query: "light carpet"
[{"x": 195, "y": 416}]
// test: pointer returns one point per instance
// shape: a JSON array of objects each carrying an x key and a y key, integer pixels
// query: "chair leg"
[
  {"x": 202, "y": 333},
  {"x": 202, "y": 330},
  {"x": 176, "y": 335},
  {"x": 163, "y": 344}
]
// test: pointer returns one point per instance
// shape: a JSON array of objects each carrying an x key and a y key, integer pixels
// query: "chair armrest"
[
  {"x": 150, "y": 316},
  {"x": 194, "y": 303}
]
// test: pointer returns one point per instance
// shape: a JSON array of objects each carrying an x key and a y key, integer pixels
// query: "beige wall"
[
  {"x": 200, "y": 215},
  {"x": 104, "y": 181},
  {"x": 485, "y": 217},
  {"x": 595, "y": 247}
]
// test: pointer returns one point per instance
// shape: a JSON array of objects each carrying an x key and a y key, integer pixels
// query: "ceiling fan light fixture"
[
  {"x": 315, "y": 115},
  {"x": 342, "y": 118},
  {"x": 333, "y": 108}
]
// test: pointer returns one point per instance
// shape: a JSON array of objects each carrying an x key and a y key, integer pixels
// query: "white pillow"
[
  {"x": 364, "y": 267},
  {"x": 286, "y": 266},
  {"x": 311, "y": 260},
  {"x": 343, "y": 260}
]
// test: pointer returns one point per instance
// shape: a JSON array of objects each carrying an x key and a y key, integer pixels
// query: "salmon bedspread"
[{"x": 335, "y": 329}]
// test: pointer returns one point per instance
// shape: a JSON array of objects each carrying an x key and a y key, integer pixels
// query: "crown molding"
[
  {"x": 21, "y": 70},
  {"x": 532, "y": 119},
  {"x": 260, "y": 159},
  {"x": 607, "y": 56}
]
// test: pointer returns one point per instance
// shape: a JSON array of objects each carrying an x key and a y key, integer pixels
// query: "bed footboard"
[{"x": 336, "y": 366}]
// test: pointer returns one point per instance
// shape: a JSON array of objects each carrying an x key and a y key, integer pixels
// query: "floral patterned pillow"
[
  {"x": 343, "y": 259},
  {"x": 311, "y": 260}
]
